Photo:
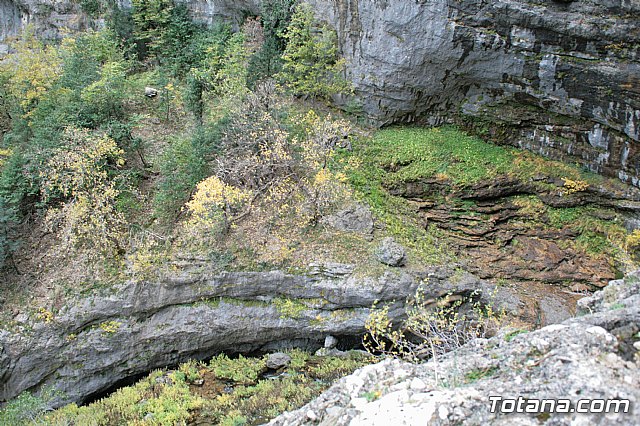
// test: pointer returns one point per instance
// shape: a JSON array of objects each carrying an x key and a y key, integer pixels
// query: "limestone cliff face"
[
  {"x": 561, "y": 78},
  {"x": 48, "y": 17}
]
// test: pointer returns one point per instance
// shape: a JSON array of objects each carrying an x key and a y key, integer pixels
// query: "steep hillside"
[{"x": 557, "y": 77}]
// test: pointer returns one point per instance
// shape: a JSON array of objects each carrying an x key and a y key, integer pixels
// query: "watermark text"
[{"x": 534, "y": 406}]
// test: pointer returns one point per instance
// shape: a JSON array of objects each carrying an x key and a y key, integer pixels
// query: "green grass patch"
[
  {"x": 411, "y": 153},
  {"x": 415, "y": 153},
  {"x": 398, "y": 218}
]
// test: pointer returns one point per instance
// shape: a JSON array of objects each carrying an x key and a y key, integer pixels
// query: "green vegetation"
[
  {"x": 224, "y": 391},
  {"x": 147, "y": 402},
  {"x": 113, "y": 176},
  {"x": 509, "y": 336},
  {"x": 311, "y": 63},
  {"x": 449, "y": 155},
  {"x": 240, "y": 370},
  {"x": 479, "y": 374},
  {"x": 27, "y": 408},
  {"x": 411, "y": 154},
  {"x": 365, "y": 171}
]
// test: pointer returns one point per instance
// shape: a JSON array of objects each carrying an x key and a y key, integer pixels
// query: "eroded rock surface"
[
  {"x": 96, "y": 341},
  {"x": 514, "y": 238},
  {"x": 583, "y": 358}
]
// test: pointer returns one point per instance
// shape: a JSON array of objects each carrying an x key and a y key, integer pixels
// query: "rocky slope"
[
  {"x": 95, "y": 342},
  {"x": 498, "y": 231},
  {"x": 595, "y": 355}
]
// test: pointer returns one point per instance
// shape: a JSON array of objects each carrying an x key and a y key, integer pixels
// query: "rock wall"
[
  {"x": 10, "y": 19},
  {"x": 561, "y": 78},
  {"x": 95, "y": 342},
  {"x": 52, "y": 18}
]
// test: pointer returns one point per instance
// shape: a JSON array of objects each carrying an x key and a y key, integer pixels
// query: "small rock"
[
  {"x": 391, "y": 253},
  {"x": 443, "y": 412},
  {"x": 400, "y": 373},
  {"x": 333, "y": 411},
  {"x": 330, "y": 342},
  {"x": 637, "y": 346},
  {"x": 150, "y": 92},
  {"x": 312, "y": 416},
  {"x": 278, "y": 360},
  {"x": 417, "y": 384}
]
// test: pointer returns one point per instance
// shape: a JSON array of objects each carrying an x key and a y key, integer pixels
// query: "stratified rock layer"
[
  {"x": 95, "y": 342},
  {"x": 593, "y": 356}
]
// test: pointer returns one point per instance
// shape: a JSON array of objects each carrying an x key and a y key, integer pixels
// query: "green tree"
[
  {"x": 151, "y": 19},
  {"x": 267, "y": 61},
  {"x": 312, "y": 66},
  {"x": 8, "y": 222}
]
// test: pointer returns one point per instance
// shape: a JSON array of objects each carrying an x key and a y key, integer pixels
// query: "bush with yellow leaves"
[
  {"x": 76, "y": 182},
  {"x": 215, "y": 204},
  {"x": 33, "y": 69},
  {"x": 572, "y": 186},
  {"x": 433, "y": 326},
  {"x": 292, "y": 179}
]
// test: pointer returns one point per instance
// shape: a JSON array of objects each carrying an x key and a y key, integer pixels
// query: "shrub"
[
  {"x": 8, "y": 239},
  {"x": 292, "y": 179},
  {"x": 78, "y": 175},
  {"x": 182, "y": 166},
  {"x": 34, "y": 68},
  {"x": 571, "y": 186},
  {"x": 433, "y": 326},
  {"x": 27, "y": 408},
  {"x": 215, "y": 204},
  {"x": 267, "y": 61}
]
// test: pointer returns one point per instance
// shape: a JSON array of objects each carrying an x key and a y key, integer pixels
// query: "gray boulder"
[
  {"x": 330, "y": 342},
  {"x": 278, "y": 360},
  {"x": 150, "y": 92},
  {"x": 356, "y": 218},
  {"x": 390, "y": 253}
]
